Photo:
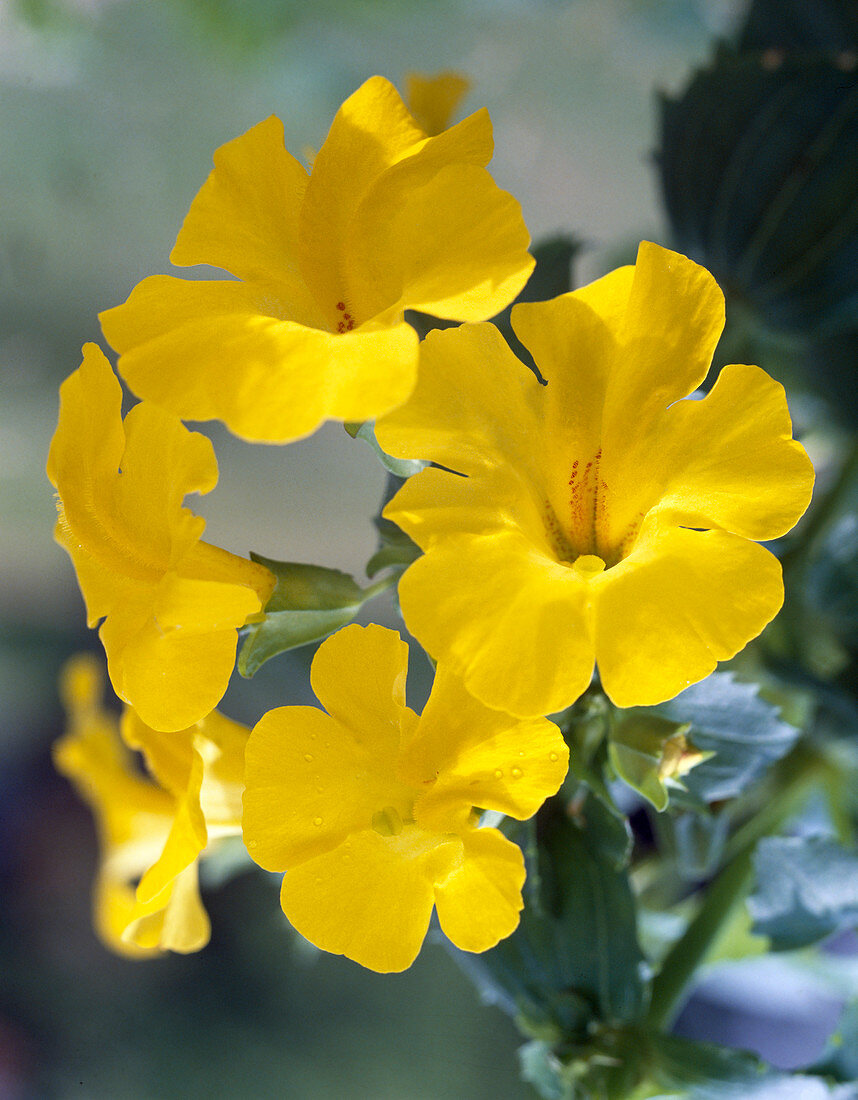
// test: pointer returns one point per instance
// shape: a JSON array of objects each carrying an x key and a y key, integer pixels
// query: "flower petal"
[
  {"x": 683, "y": 601},
  {"x": 451, "y": 244},
  {"x": 188, "y": 837},
  {"x": 245, "y": 217},
  {"x": 471, "y": 756},
  {"x": 515, "y": 624},
  {"x": 172, "y": 679},
  {"x": 358, "y": 675},
  {"x": 647, "y": 342},
  {"x": 371, "y": 898},
  {"x": 479, "y": 903},
  {"x": 371, "y": 131},
  {"x": 475, "y": 406},
  {"x": 291, "y": 377},
  {"x": 311, "y": 783},
  {"x": 169, "y": 756},
  {"x": 175, "y": 920},
  {"x": 751, "y": 477}
]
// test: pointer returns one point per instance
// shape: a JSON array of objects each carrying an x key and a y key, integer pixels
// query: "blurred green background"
[{"x": 109, "y": 114}]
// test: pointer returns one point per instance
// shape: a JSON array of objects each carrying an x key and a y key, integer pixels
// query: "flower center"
[
  {"x": 581, "y": 528},
  {"x": 346, "y": 321}
]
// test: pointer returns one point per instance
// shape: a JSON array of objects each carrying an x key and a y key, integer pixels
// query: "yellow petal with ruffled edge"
[
  {"x": 389, "y": 219},
  {"x": 480, "y": 901},
  {"x": 174, "y": 920},
  {"x": 187, "y": 838},
  {"x": 371, "y": 897},
  {"x": 514, "y": 623},
  {"x": 170, "y": 605},
  {"x": 314, "y": 778},
  {"x": 683, "y": 601},
  {"x": 245, "y": 217},
  {"x": 752, "y": 478},
  {"x": 270, "y": 380},
  {"x": 466, "y": 755},
  {"x": 475, "y": 406},
  {"x": 450, "y": 245}
]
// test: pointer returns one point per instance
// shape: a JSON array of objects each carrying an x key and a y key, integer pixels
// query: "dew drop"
[
  {"x": 317, "y": 821},
  {"x": 516, "y": 773},
  {"x": 308, "y": 756},
  {"x": 320, "y": 790},
  {"x": 552, "y": 756},
  {"x": 498, "y": 773}
]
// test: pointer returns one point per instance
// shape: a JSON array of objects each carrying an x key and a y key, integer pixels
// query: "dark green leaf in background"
[
  {"x": 801, "y": 26},
  {"x": 759, "y": 172}
]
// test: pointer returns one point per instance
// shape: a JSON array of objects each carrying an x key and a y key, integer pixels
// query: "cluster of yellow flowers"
[{"x": 595, "y": 520}]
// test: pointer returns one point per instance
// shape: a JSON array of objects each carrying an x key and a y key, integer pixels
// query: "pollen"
[{"x": 346, "y": 322}]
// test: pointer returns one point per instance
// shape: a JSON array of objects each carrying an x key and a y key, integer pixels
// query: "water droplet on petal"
[
  {"x": 552, "y": 756},
  {"x": 516, "y": 773},
  {"x": 317, "y": 821},
  {"x": 498, "y": 773},
  {"x": 308, "y": 756}
]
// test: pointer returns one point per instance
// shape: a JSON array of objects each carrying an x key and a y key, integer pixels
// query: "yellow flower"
[
  {"x": 369, "y": 808},
  {"x": 171, "y": 604},
  {"x": 157, "y": 830},
  {"x": 602, "y": 519},
  {"x": 389, "y": 219}
]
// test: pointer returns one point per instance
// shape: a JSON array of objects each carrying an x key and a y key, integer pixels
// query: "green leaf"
[
  {"x": 759, "y": 171},
  {"x": 704, "y": 1071},
  {"x": 308, "y": 603},
  {"x": 801, "y": 26},
  {"x": 400, "y": 467},
  {"x": 575, "y": 957},
  {"x": 807, "y": 888},
  {"x": 744, "y": 733},
  {"x": 832, "y": 577}
]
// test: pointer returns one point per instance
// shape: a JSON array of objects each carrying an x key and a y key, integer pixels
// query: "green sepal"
[
  {"x": 396, "y": 550},
  {"x": 650, "y": 753},
  {"x": 308, "y": 603},
  {"x": 400, "y": 467}
]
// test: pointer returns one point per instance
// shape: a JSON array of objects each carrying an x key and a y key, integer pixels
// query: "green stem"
[
  {"x": 796, "y": 777},
  {"x": 381, "y": 586}
]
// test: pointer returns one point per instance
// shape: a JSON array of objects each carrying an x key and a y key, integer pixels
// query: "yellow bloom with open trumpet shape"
[
  {"x": 326, "y": 263},
  {"x": 601, "y": 519},
  {"x": 152, "y": 831},
  {"x": 171, "y": 604},
  {"x": 369, "y": 809}
]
